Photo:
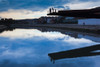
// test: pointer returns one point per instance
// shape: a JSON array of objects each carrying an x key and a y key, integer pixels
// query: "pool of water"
[{"x": 30, "y": 48}]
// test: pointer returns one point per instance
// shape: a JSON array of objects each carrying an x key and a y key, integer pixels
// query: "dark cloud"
[
  {"x": 33, "y": 4},
  {"x": 29, "y": 4}
]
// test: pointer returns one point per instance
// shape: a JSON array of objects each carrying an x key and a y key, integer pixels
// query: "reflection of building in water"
[
  {"x": 75, "y": 35},
  {"x": 78, "y": 35},
  {"x": 94, "y": 38}
]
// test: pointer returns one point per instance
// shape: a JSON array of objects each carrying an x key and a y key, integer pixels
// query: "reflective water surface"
[{"x": 30, "y": 48}]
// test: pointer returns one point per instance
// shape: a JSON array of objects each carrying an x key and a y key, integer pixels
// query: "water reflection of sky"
[{"x": 30, "y": 48}]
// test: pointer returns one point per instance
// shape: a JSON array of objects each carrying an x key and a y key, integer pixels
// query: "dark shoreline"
[
  {"x": 81, "y": 28},
  {"x": 2, "y": 27}
]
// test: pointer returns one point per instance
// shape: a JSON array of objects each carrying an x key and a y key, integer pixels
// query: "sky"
[{"x": 29, "y": 9}]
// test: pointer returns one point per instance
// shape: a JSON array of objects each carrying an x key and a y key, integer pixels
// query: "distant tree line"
[{"x": 6, "y": 22}]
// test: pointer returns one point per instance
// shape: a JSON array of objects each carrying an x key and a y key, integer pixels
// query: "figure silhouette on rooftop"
[{"x": 50, "y": 10}]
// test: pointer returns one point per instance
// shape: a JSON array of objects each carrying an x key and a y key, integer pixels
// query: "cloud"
[
  {"x": 17, "y": 53},
  {"x": 35, "y": 5},
  {"x": 77, "y": 41},
  {"x": 29, "y": 4},
  {"x": 22, "y": 14},
  {"x": 23, "y": 33},
  {"x": 83, "y": 5},
  {"x": 38, "y": 36}
]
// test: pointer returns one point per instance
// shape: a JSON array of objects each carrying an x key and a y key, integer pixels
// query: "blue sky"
[{"x": 21, "y": 9}]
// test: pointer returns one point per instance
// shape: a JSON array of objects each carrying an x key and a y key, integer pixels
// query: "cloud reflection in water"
[{"x": 31, "y": 47}]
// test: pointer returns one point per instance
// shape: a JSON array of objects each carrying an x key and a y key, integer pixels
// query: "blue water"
[{"x": 30, "y": 48}]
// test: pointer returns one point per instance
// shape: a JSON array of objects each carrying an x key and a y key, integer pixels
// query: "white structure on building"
[{"x": 89, "y": 22}]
